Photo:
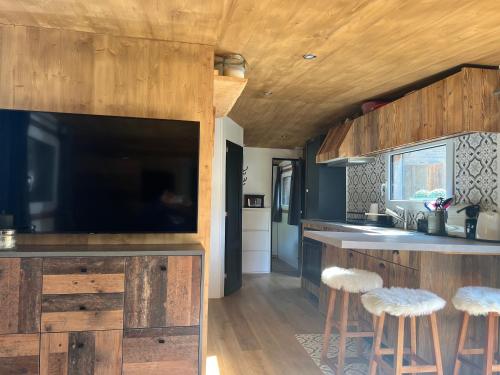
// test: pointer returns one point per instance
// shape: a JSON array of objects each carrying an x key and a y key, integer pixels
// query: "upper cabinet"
[
  {"x": 227, "y": 90},
  {"x": 461, "y": 103}
]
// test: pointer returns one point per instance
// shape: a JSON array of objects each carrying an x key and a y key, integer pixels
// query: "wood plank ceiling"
[{"x": 365, "y": 48}]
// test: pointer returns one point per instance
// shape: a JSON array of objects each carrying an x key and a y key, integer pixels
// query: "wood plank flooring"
[{"x": 253, "y": 331}]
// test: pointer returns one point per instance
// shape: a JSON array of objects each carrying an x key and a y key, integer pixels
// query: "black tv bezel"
[{"x": 198, "y": 123}]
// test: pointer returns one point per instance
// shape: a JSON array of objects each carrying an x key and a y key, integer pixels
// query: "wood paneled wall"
[{"x": 69, "y": 71}]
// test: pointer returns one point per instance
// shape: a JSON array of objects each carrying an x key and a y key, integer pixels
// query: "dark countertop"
[{"x": 43, "y": 251}]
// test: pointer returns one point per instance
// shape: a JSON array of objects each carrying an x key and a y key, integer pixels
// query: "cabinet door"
[
  {"x": 311, "y": 263},
  {"x": 158, "y": 351},
  {"x": 19, "y": 354},
  {"x": 162, "y": 291},
  {"x": 20, "y": 291},
  {"x": 82, "y": 294},
  {"x": 81, "y": 353}
]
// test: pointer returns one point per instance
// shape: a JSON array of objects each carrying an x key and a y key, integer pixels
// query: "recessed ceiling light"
[
  {"x": 268, "y": 93},
  {"x": 309, "y": 56}
]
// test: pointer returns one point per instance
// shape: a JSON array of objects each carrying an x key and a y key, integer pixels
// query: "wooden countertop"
[
  {"x": 42, "y": 251},
  {"x": 373, "y": 238}
]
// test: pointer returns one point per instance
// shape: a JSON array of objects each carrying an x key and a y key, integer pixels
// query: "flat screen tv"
[{"x": 69, "y": 173}]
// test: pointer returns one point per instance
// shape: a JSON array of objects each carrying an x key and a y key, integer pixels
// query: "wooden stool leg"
[
  {"x": 495, "y": 332},
  {"x": 328, "y": 324},
  {"x": 436, "y": 344},
  {"x": 490, "y": 345},
  {"x": 344, "y": 315},
  {"x": 400, "y": 343},
  {"x": 413, "y": 340},
  {"x": 377, "y": 342},
  {"x": 462, "y": 337}
]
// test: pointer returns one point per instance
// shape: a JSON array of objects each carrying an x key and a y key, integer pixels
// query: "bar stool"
[
  {"x": 346, "y": 281},
  {"x": 404, "y": 303},
  {"x": 478, "y": 301}
]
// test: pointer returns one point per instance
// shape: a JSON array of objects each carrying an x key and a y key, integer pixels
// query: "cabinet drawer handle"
[
  {"x": 381, "y": 265},
  {"x": 395, "y": 252},
  {"x": 161, "y": 341},
  {"x": 83, "y": 270},
  {"x": 82, "y": 308},
  {"x": 163, "y": 268}
]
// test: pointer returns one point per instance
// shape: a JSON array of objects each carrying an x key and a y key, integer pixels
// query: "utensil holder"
[{"x": 435, "y": 223}]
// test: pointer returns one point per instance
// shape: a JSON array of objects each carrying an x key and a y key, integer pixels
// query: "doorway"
[
  {"x": 233, "y": 244},
  {"x": 285, "y": 216}
]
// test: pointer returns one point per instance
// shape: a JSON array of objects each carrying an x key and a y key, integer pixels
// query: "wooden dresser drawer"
[
  {"x": 20, "y": 295},
  {"x": 82, "y": 353},
  {"x": 163, "y": 291},
  {"x": 19, "y": 354},
  {"x": 158, "y": 351},
  {"x": 82, "y": 294}
]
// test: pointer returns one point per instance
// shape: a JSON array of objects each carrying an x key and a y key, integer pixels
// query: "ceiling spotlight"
[
  {"x": 309, "y": 56},
  {"x": 268, "y": 93}
]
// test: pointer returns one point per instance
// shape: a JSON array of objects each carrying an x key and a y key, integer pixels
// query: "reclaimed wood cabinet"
[
  {"x": 461, "y": 103},
  {"x": 101, "y": 315}
]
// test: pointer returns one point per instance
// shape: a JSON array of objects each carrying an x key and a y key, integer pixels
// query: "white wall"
[
  {"x": 225, "y": 129},
  {"x": 259, "y": 173}
]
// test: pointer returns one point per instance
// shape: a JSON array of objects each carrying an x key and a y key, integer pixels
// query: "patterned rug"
[{"x": 313, "y": 343}]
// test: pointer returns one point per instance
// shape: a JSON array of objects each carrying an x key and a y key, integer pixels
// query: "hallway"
[{"x": 253, "y": 331}]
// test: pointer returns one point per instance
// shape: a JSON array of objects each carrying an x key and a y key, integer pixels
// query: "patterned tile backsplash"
[{"x": 475, "y": 180}]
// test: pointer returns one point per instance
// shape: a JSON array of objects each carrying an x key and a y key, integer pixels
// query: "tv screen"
[{"x": 63, "y": 173}]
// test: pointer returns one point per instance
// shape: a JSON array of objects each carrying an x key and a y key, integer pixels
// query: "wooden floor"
[{"x": 253, "y": 331}]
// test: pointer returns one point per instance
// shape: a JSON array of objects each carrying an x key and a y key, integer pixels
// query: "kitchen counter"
[
  {"x": 374, "y": 238},
  {"x": 45, "y": 251},
  {"x": 406, "y": 259}
]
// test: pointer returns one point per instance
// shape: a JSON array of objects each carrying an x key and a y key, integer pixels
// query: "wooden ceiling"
[{"x": 365, "y": 48}]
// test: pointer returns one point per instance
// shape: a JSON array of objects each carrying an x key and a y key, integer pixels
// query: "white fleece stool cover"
[
  {"x": 477, "y": 300},
  {"x": 402, "y": 302},
  {"x": 351, "y": 280}
]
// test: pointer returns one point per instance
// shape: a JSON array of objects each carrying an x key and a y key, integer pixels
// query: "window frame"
[{"x": 450, "y": 173}]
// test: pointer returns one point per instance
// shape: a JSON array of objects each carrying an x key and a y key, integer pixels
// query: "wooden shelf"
[{"x": 227, "y": 90}]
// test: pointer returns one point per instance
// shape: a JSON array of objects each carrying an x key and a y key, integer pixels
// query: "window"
[
  {"x": 420, "y": 174},
  {"x": 285, "y": 190}
]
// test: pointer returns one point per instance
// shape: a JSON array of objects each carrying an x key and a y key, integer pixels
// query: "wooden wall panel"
[
  {"x": 163, "y": 291},
  {"x": 69, "y": 71},
  {"x": 20, "y": 295}
]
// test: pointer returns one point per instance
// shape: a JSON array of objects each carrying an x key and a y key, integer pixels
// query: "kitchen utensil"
[
  {"x": 7, "y": 239},
  {"x": 488, "y": 226},
  {"x": 447, "y": 203}
]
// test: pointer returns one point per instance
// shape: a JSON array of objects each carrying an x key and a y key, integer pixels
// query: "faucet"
[{"x": 404, "y": 219}]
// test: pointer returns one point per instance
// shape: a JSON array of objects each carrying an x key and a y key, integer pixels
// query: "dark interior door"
[{"x": 234, "y": 188}]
